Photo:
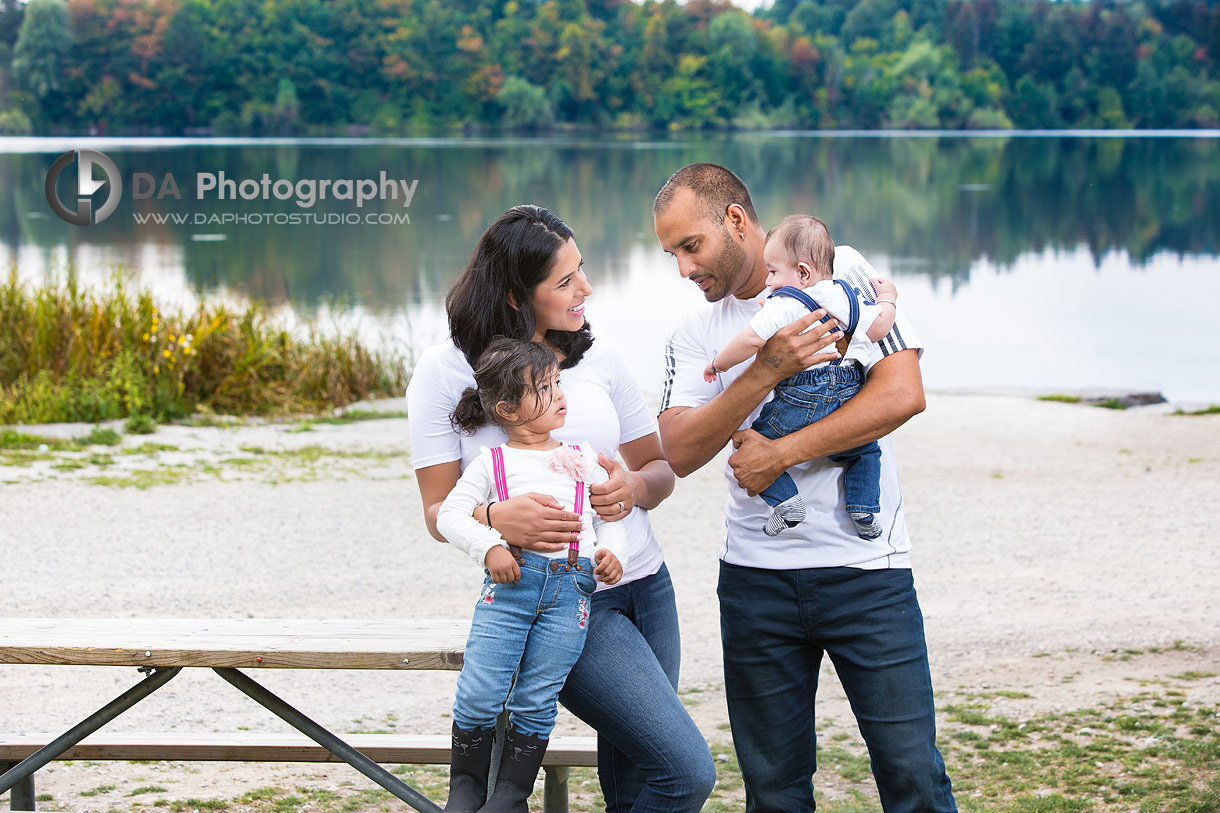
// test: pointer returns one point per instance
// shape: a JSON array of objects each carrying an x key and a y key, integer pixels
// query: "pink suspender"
[
  {"x": 497, "y": 470},
  {"x": 578, "y": 504}
]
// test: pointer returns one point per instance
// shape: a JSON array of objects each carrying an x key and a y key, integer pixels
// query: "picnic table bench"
[{"x": 161, "y": 648}]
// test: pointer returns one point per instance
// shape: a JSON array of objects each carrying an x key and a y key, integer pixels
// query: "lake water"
[{"x": 1044, "y": 262}]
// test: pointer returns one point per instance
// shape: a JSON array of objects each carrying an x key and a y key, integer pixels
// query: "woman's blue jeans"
[
  {"x": 534, "y": 629},
  {"x": 775, "y": 625},
  {"x": 651, "y": 757}
]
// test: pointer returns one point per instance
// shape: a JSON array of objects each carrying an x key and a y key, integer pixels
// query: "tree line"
[{"x": 394, "y": 67}]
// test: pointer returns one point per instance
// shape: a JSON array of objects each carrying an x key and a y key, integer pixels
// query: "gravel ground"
[{"x": 1058, "y": 547}]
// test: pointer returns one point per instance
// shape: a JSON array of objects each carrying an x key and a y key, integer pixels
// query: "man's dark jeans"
[{"x": 775, "y": 625}]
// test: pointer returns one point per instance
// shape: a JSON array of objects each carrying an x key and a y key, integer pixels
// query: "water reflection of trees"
[{"x": 933, "y": 205}]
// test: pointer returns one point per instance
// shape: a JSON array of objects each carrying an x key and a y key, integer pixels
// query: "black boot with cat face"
[
  {"x": 519, "y": 766},
  {"x": 469, "y": 762}
]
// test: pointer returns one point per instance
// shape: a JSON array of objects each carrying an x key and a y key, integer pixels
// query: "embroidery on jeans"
[
  {"x": 489, "y": 594},
  {"x": 583, "y": 611}
]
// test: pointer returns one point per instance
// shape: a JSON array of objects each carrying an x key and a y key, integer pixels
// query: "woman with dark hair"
[{"x": 525, "y": 281}]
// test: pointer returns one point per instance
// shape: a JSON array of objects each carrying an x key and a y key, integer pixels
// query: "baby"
[{"x": 800, "y": 259}]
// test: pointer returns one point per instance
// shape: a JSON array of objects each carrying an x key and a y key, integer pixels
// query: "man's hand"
[
  {"x": 755, "y": 464},
  {"x": 501, "y": 565},
  {"x": 790, "y": 350},
  {"x": 609, "y": 569}
]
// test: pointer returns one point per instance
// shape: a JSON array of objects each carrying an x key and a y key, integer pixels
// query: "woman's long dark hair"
[{"x": 514, "y": 256}]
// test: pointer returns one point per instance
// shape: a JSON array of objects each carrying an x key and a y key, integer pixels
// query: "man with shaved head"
[{"x": 817, "y": 587}]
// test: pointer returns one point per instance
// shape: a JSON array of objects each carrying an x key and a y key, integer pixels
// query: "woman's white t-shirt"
[{"x": 605, "y": 408}]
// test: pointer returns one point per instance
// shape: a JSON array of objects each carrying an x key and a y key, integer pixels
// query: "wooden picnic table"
[{"x": 161, "y": 648}]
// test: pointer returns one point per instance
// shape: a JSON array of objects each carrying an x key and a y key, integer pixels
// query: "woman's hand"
[
  {"x": 613, "y": 499},
  {"x": 501, "y": 565},
  {"x": 755, "y": 464},
  {"x": 534, "y": 521}
]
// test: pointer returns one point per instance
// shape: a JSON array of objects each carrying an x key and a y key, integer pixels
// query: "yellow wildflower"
[{"x": 165, "y": 353}]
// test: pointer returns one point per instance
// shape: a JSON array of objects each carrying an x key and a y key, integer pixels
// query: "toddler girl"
[{"x": 531, "y": 618}]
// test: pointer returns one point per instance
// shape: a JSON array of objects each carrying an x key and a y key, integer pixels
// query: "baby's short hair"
[{"x": 806, "y": 240}]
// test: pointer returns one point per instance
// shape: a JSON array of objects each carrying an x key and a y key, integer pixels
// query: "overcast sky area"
[{"x": 750, "y": 5}]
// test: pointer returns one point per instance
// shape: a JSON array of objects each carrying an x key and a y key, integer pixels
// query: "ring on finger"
[{"x": 622, "y": 509}]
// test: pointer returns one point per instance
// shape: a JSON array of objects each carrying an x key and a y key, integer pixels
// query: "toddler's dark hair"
[{"x": 505, "y": 372}]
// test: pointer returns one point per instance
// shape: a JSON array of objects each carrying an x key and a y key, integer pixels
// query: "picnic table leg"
[
  {"x": 555, "y": 789},
  {"x": 329, "y": 741},
  {"x": 26, "y": 768},
  {"x": 21, "y": 797}
]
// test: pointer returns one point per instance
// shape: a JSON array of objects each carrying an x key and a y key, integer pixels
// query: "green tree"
[
  {"x": 1034, "y": 105},
  {"x": 870, "y": 18},
  {"x": 42, "y": 43},
  {"x": 11, "y": 12},
  {"x": 731, "y": 45},
  {"x": 1110, "y": 109},
  {"x": 286, "y": 112},
  {"x": 525, "y": 104}
]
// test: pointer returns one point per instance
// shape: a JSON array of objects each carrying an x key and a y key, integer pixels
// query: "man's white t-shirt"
[
  {"x": 605, "y": 409},
  {"x": 827, "y": 537}
]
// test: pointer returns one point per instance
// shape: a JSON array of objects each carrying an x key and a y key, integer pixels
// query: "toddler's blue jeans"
[{"x": 534, "y": 629}]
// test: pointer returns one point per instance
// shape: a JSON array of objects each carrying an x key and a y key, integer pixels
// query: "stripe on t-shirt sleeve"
[{"x": 667, "y": 390}]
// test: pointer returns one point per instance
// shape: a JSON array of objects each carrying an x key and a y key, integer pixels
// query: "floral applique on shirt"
[{"x": 571, "y": 461}]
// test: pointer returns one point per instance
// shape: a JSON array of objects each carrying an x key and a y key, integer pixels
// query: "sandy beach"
[{"x": 1063, "y": 553}]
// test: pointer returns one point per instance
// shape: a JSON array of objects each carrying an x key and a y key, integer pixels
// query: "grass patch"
[
  {"x": 100, "y": 789},
  {"x": 140, "y": 425},
  {"x": 12, "y": 440},
  {"x": 140, "y": 791},
  {"x": 1059, "y": 398},
  {"x": 151, "y": 449},
  {"x": 852, "y": 767},
  {"x": 144, "y": 479},
  {"x": 1110, "y": 403},
  {"x": 1009, "y": 694},
  {"x": 198, "y": 804},
  {"x": 1213, "y": 409},
  {"x": 72, "y": 355},
  {"x": 101, "y": 436},
  {"x": 1193, "y": 675},
  {"x": 355, "y": 415},
  {"x": 1138, "y": 753}
]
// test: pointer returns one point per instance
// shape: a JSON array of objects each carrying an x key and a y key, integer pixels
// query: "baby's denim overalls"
[{"x": 811, "y": 395}]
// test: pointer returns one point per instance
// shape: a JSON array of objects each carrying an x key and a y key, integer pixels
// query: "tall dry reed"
[{"x": 71, "y": 354}]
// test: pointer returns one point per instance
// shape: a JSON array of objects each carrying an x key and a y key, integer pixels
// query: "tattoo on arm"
[{"x": 774, "y": 361}]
